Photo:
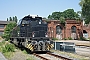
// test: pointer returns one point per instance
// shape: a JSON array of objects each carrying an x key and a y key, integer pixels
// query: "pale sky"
[{"x": 20, "y": 8}]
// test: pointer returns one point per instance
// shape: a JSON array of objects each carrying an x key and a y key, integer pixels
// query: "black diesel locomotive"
[{"x": 31, "y": 32}]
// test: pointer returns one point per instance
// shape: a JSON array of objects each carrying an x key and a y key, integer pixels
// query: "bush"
[
  {"x": 65, "y": 38},
  {"x": 7, "y": 31},
  {"x": 88, "y": 39},
  {"x": 8, "y": 48},
  {"x": 69, "y": 38},
  {"x": 82, "y": 38},
  {"x": 54, "y": 39}
]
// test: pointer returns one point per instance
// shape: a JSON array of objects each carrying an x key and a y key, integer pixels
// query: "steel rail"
[
  {"x": 37, "y": 55},
  {"x": 58, "y": 56}
]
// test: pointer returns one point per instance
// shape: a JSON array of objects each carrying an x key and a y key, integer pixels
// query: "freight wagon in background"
[{"x": 31, "y": 33}]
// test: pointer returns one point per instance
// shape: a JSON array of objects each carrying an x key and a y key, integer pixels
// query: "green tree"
[
  {"x": 70, "y": 14},
  {"x": 50, "y": 17},
  {"x": 55, "y": 15},
  {"x": 67, "y": 14},
  {"x": 85, "y": 4},
  {"x": 7, "y": 19},
  {"x": 16, "y": 19},
  {"x": 13, "y": 19},
  {"x": 62, "y": 20},
  {"x": 86, "y": 11},
  {"x": 81, "y": 3},
  {"x": 8, "y": 30},
  {"x": 10, "y": 19}
]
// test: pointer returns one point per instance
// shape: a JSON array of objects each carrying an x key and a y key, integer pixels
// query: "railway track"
[{"x": 50, "y": 56}]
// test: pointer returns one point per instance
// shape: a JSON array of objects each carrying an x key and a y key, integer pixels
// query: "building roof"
[{"x": 5, "y": 22}]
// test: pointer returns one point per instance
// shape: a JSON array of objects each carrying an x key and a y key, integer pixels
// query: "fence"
[{"x": 64, "y": 46}]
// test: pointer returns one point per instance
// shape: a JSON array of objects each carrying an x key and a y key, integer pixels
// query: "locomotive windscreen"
[{"x": 25, "y": 22}]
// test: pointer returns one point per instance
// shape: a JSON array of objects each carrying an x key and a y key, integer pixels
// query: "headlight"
[
  {"x": 33, "y": 34},
  {"x": 46, "y": 35},
  {"x": 18, "y": 33}
]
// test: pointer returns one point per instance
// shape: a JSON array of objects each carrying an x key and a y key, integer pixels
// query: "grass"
[
  {"x": 8, "y": 55},
  {"x": 1, "y": 45},
  {"x": 24, "y": 51},
  {"x": 0, "y": 49},
  {"x": 30, "y": 58},
  {"x": 5, "y": 45},
  {"x": 72, "y": 55}
]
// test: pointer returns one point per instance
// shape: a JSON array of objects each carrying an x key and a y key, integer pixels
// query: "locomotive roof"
[{"x": 31, "y": 17}]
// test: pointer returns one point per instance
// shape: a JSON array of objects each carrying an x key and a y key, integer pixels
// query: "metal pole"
[{"x": 55, "y": 45}]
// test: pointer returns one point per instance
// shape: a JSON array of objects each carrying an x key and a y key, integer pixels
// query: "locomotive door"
[{"x": 25, "y": 28}]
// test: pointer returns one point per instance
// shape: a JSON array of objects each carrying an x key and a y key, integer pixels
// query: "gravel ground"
[
  {"x": 73, "y": 56},
  {"x": 80, "y": 50},
  {"x": 83, "y": 51},
  {"x": 19, "y": 55}
]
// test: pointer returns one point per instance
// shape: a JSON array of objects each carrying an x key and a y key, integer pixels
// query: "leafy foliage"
[
  {"x": 85, "y": 5},
  {"x": 54, "y": 39},
  {"x": 82, "y": 38},
  {"x": 70, "y": 14},
  {"x": 81, "y": 3},
  {"x": 8, "y": 30},
  {"x": 12, "y": 19},
  {"x": 67, "y": 14},
  {"x": 69, "y": 38},
  {"x": 8, "y": 48},
  {"x": 62, "y": 20},
  {"x": 65, "y": 39},
  {"x": 24, "y": 51}
]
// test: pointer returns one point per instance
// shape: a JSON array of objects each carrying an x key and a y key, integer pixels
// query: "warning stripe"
[
  {"x": 29, "y": 46},
  {"x": 51, "y": 45},
  {"x": 31, "y": 49},
  {"x": 48, "y": 48}
]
